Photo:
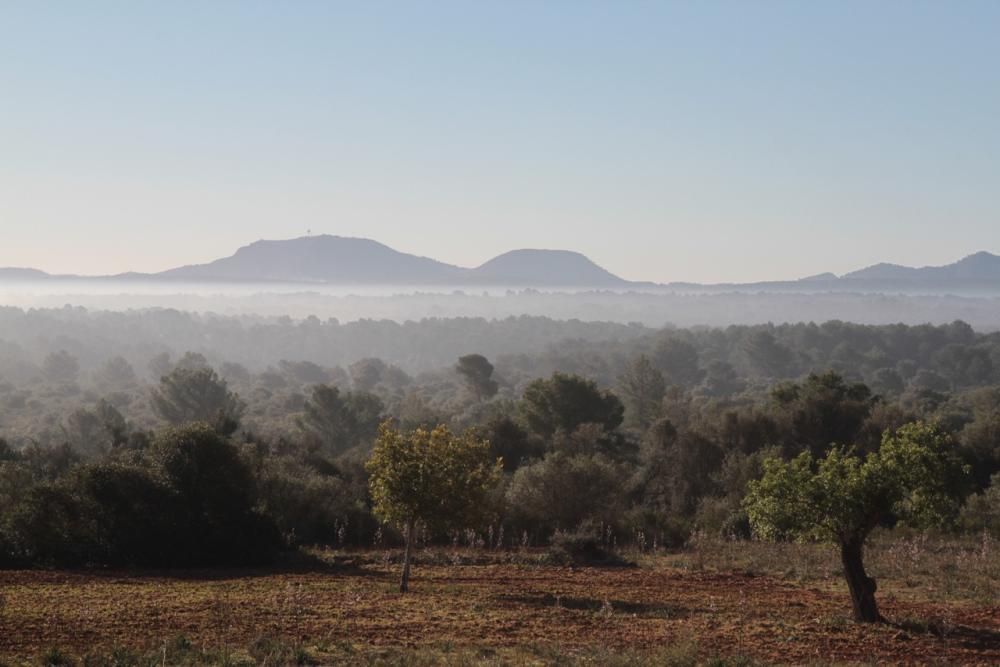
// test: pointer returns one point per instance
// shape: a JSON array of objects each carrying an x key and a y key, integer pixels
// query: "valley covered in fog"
[{"x": 650, "y": 306}]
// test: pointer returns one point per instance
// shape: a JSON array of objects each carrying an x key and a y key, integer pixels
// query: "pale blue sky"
[{"x": 707, "y": 141}]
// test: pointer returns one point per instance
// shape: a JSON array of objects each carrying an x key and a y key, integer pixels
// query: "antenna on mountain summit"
[{"x": 309, "y": 232}]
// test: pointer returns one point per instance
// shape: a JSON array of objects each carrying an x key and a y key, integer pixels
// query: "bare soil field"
[{"x": 502, "y": 610}]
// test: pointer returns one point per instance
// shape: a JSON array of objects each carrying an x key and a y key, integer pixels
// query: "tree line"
[{"x": 214, "y": 465}]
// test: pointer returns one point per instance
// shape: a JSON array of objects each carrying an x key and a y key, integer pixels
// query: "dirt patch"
[{"x": 498, "y": 605}]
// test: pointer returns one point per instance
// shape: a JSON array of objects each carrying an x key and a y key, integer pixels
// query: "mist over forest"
[
  {"x": 56, "y": 364},
  {"x": 172, "y": 424},
  {"x": 653, "y": 307}
]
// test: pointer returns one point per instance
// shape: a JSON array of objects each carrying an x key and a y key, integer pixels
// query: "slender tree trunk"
[
  {"x": 862, "y": 586},
  {"x": 404, "y": 580}
]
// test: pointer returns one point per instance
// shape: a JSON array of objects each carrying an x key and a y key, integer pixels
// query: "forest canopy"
[{"x": 641, "y": 434}]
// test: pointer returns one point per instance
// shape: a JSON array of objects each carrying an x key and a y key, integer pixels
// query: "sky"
[{"x": 701, "y": 141}]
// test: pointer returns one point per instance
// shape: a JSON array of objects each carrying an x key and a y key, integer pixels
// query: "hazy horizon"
[
  {"x": 448, "y": 287},
  {"x": 702, "y": 142}
]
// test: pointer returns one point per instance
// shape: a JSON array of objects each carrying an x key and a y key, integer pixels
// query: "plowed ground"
[{"x": 494, "y": 605}]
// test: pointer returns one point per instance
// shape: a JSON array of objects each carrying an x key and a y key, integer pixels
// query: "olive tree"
[
  {"x": 842, "y": 497},
  {"x": 432, "y": 477}
]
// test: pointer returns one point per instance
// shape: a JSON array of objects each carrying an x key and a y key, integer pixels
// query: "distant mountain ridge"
[
  {"x": 347, "y": 260},
  {"x": 981, "y": 266},
  {"x": 326, "y": 259},
  {"x": 978, "y": 273}
]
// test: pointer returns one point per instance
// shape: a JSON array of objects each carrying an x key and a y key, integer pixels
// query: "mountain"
[
  {"x": 977, "y": 274},
  {"x": 343, "y": 260},
  {"x": 21, "y": 274},
  {"x": 350, "y": 261},
  {"x": 321, "y": 259},
  {"x": 549, "y": 268},
  {"x": 882, "y": 271},
  {"x": 980, "y": 268}
]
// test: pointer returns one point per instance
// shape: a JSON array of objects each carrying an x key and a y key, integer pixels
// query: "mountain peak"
[
  {"x": 980, "y": 257},
  {"x": 546, "y": 268},
  {"x": 322, "y": 258},
  {"x": 819, "y": 277}
]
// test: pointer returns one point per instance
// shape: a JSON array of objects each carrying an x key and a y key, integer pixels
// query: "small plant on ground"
[{"x": 583, "y": 546}]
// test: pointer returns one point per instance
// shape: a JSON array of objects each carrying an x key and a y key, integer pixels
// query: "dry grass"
[
  {"x": 743, "y": 602},
  {"x": 917, "y": 566}
]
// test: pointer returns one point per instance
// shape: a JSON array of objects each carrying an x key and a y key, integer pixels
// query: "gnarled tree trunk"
[
  {"x": 862, "y": 586},
  {"x": 404, "y": 580}
]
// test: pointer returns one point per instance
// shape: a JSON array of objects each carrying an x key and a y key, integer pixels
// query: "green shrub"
[{"x": 583, "y": 546}]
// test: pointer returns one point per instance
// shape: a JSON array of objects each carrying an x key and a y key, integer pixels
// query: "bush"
[
  {"x": 583, "y": 546},
  {"x": 982, "y": 510},
  {"x": 215, "y": 517},
  {"x": 53, "y": 657},
  {"x": 6, "y": 552},
  {"x": 315, "y": 507},
  {"x": 669, "y": 531},
  {"x": 736, "y": 526},
  {"x": 133, "y": 515},
  {"x": 721, "y": 517},
  {"x": 563, "y": 490},
  {"x": 190, "y": 503},
  {"x": 712, "y": 514},
  {"x": 50, "y": 526}
]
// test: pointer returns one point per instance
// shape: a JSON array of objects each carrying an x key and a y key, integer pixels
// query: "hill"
[
  {"x": 321, "y": 259},
  {"x": 347, "y": 261},
  {"x": 982, "y": 267},
  {"x": 546, "y": 268},
  {"x": 21, "y": 274}
]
